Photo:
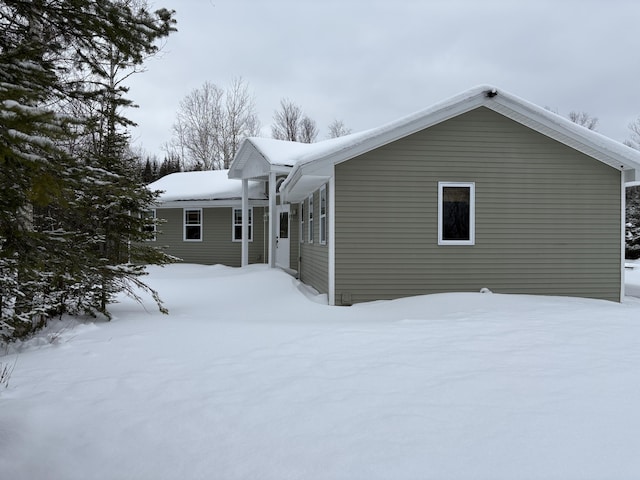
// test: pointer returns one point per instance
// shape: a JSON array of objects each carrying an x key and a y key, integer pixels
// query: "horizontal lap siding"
[
  {"x": 314, "y": 257},
  {"x": 547, "y": 217},
  {"x": 216, "y": 246},
  {"x": 294, "y": 237}
]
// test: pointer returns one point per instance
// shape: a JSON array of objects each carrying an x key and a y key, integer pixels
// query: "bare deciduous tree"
[
  {"x": 308, "y": 130},
  {"x": 239, "y": 120},
  {"x": 584, "y": 119},
  {"x": 211, "y": 123},
  {"x": 289, "y": 123},
  {"x": 286, "y": 121},
  {"x": 338, "y": 129},
  {"x": 580, "y": 118},
  {"x": 634, "y": 141}
]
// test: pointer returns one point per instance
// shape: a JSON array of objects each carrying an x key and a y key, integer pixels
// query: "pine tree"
[
  {"x": 147, "y": 174},
  {"x": 633, "y": 223},
  {"x": 71, "y": 226}
]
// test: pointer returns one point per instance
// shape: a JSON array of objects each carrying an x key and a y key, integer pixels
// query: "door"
[{"x": 282, "y": 240}]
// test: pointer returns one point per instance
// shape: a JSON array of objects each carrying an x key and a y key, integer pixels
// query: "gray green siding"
[
  {"x": 216, "y": 246},
  {"x": 547, "y": 216},
  {"x": 314, "y": 257},
  {"x": 294, "y": 237}
]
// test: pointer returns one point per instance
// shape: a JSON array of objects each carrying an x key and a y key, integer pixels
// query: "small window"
[
  {"x": 149, "y": 226},
  {"x": 284, "y": 225},
  {"x": 193, "y": 225},
  {"x": 302, "y": 222},
  {"x": 323, "y": 215},
  {"x": 237, "y": 224},
  {"x": 310, "y": 223},
  {"x": 456, "y": 213}
]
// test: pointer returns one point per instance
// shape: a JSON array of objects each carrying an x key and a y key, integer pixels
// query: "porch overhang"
[{"x": 303, "y": 187}]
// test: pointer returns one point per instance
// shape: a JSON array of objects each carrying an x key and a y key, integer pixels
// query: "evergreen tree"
[
  {"x": 71, "y": 225},
  {"x": 147, "y": 174},
  {"x": 633, "y": 223}
]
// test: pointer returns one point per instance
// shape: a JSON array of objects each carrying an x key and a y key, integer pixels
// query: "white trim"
[
  {"x": 241, "y": 224},
  {"x": 321, "y": 155},
  {"x": 472, "y": 213},
  {"x": 272, "y": 219},
  {"x": 331, "y": 268},
  {"x": 302, "y": 222},
  {"x": 184, "y": 225},
  {"x": 209, "y": 203},
  {"x": 244, "y": 250},
  {"x": 310, "y": 219},
  {"x": 322, "y": 218}
]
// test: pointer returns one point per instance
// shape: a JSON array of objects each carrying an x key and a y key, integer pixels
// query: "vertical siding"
[
  {"x": 216, "y": 245},
  {"x": 314, "y": 258},
  {"x": 547, "y": 216}
]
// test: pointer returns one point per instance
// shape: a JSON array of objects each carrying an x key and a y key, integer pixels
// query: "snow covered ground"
[{"x": 250, "y": 377}]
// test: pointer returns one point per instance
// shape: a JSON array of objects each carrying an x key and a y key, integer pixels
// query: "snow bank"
[{"x": 249, "y": 378}]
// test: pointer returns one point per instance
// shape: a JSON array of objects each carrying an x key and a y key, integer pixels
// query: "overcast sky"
[{"x": 368, "y": 62}]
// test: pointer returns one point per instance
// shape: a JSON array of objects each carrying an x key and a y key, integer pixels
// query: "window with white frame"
[
  {"x": 237, "y": 224},
  {"x": 149, "y": 226},
  {"x": 302, "y": 232},
  {"x": 310, "y": 219},
  {"x": 456, "y": 213},
  {"x": 192, "y": 224},
  {"x": 323, "y": 215}
]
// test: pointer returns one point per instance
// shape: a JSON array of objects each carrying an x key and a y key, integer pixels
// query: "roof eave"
[
  {"x": 203, "y": 203},
  {"x": 251, "y": 163},
  {"x": 565, "y": 132},
  {"x": 590, "y": 143}
]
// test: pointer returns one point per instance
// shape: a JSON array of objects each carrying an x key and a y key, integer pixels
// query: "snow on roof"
[
  {"x": 203, "y": 185},
  {"x": 280, "y": 152},
  {"x": 287, "y": 153},
  {"x": 551, "y": 124}
]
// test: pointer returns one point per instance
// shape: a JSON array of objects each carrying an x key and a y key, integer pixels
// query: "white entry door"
[{"x": 282, "y": 240}]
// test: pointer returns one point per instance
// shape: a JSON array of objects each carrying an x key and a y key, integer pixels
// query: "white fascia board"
[
  {"x": 303, "y": 187},
  {"x": 590, "y": 143},
  {"x": 242, "y": 156},
  {"x": 249, "y": 163},
  {"x": 377, "y": 138},
  {"x": 232, "y": 202}
]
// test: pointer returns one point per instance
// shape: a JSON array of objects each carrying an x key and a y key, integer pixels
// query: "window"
[
  {"x": 456, "y": 213},
  {"x": 149, "y": 226},
  {"x": 237, "y": 224},
  {"x": 323, "y": 215},
  {"x": 302, "y": 222},
  {"x": 310, "y": 218},
  {"x": 193, "y": 225}
]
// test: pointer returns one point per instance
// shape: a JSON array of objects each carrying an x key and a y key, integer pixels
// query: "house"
[
  {"x": 201, "y": 218},
  {"x": 484, "y": 190}
]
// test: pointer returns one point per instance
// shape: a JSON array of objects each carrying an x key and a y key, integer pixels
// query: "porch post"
[
  {"x": 245, "y": 223},
  {"x": 272, "y": 219}
]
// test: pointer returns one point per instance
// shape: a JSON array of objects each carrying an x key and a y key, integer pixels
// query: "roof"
[
  {"x": 312, "y": 164},
  {"x": 257, "y": 157},
  {"x": 211, "y": 185}
]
